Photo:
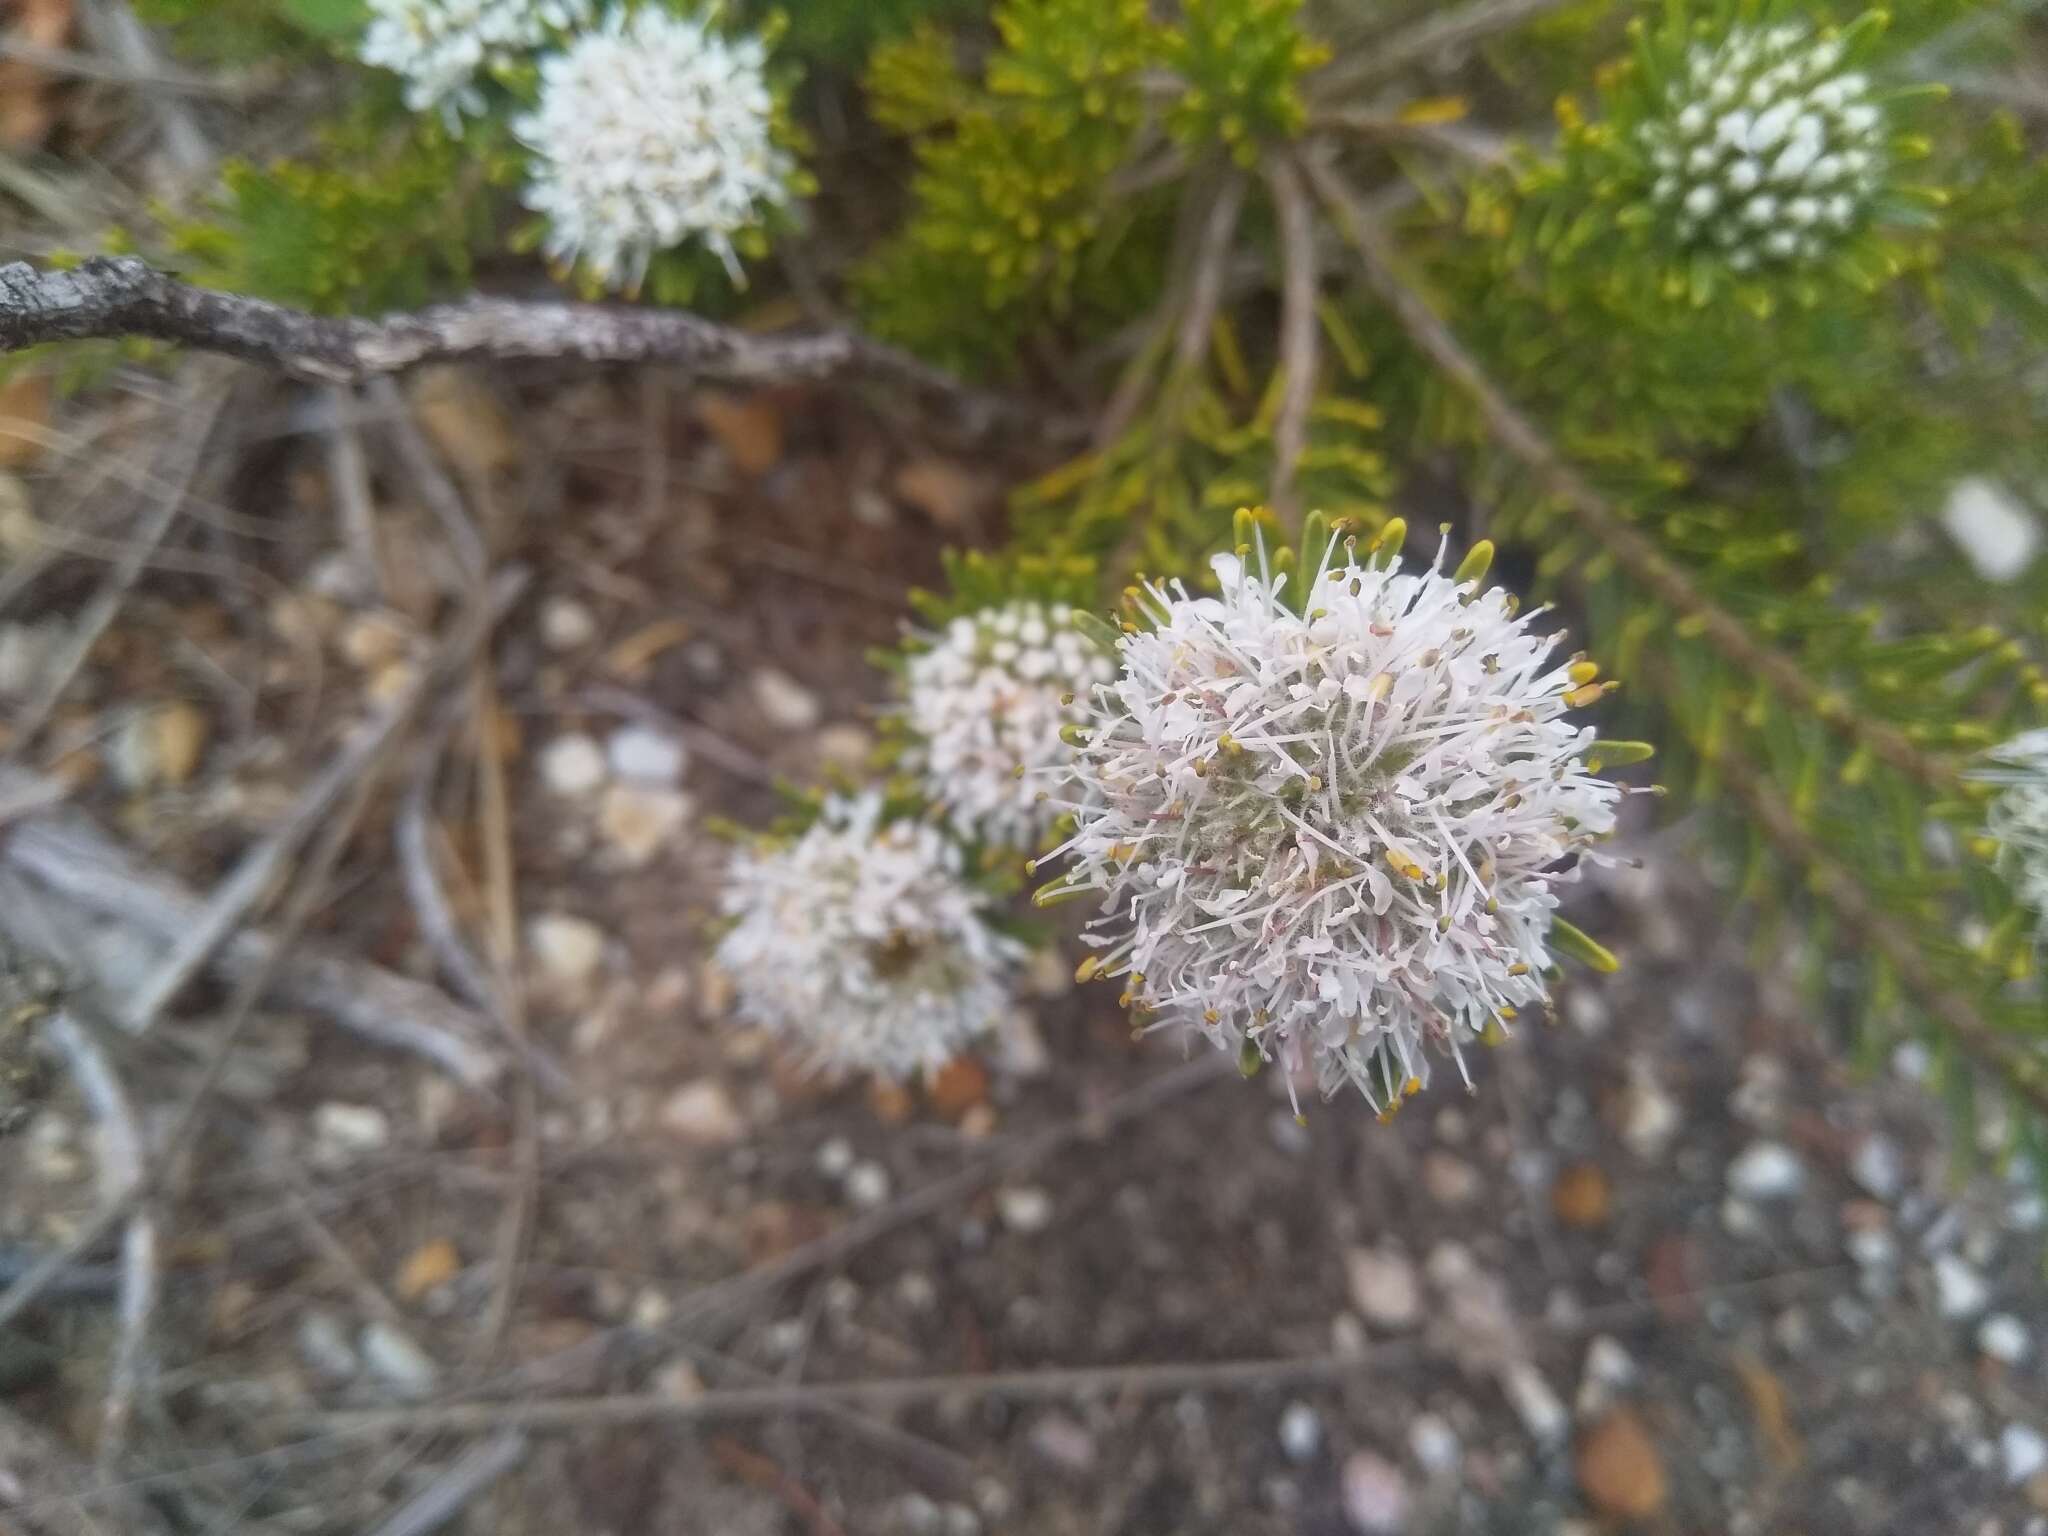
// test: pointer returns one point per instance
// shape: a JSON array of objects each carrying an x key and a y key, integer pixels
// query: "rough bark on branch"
[{"x": 107, "y": 297}]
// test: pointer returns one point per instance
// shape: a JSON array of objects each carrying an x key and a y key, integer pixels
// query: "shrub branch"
[{"x": 106, "y": 298}]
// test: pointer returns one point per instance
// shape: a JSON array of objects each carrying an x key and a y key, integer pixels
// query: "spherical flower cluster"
[
  {"x": 2018, "y": 817},
  {"x": 1768, "y": 150},
  {"x": 650, "y": 131},
  {"x": 987, "y": 699},
  {"x": 1333, "y": 836},
  {"x": 861, "y": 943},
  {"x": 441, "y": 46}
]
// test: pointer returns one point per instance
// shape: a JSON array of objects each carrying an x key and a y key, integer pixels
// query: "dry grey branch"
[
  {"x": 107, "y": 297},
  {"x": 64, "y": 853}
]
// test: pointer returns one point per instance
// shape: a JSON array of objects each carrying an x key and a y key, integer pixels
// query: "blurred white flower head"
[
  {"x": 652, "y": 130},
  {"x": 985, "y": 700},
  {"x": 1332, "y": 834},
  {"x": 442, "y": 46},
  {"x": 2018, "y": 817},
  {"x": 1769, "y": 150},
  {"x": 861, "y": 943}
]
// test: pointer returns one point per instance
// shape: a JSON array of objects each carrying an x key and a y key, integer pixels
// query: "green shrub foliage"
[{"x": 1700, "y": 310}]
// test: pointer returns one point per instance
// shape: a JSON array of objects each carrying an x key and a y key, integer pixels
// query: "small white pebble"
[
  {"x": 566, "y": 625},
  {"x": 572, "y": 765},
  {"x": 1959, "y": 1291},
  {"x": 1766, "y": 1170},
  {"x": 787, "y": 703},
  {"x": 2023, "y": 1451},
  {"x": 1301, "y": 1432},
  {"x": 1535, "y": 1403},
  {"x": 1878, "y": 1166},
  {"x": 341, "y": 1131},
  {"x": 1871, "y": 1247},
  {"x": 1740, "y": 1219},
  {"x": 1025, "y": 1210},
  {"x": 867, "y": 1184},
  {"x": 645, "y": 755},
  {"x": 2004, "y": 1338},
  {"x": 1375, "y": 1495},
  {"x": 835, "y": 1157},
  {"x": 1434, "y": 1445},
  {"x": 1910, "y": 1062}
]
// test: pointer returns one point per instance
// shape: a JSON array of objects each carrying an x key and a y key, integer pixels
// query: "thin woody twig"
[
  {"x": 186, "y": 1123},
  {"x": 435, "y": 488},
  {"x": 469, "y": 632},
  {"x": 1045, "y": 1384},
  {"x": 1156, "y": 330},
  {"x": 70, "y": 64},
  {"x": 256, "y": 874},
  {"x": 1299, "y": 333},
  {"x": 121, "y": 1169},
  {"x": 204, "y": 401},
  {"x": 114, "y": 28},
  {"x": 60, "y": 1489},
  {"x": 1635, "y": 551},
  {"x": 467, "y": 1476},
  {"x": 413, "y": 839},
  {"x": 321, "y": 1237},
  {"x": 515, "y": 1226},
  {"x": 121, "y": 296},
  {"x": 1205, "y": 290},
  {"x": 939, "y": 1194},
  {"x": 64, "y": 857},
  {"x": 349, "y": 472},
  {"x": 1440, "y": 32},
  {"x": 1478, "y": 145},
  {"x": 752, "y": 1467}
]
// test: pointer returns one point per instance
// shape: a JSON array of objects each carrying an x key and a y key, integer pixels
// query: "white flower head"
[
  {"x": 2018, "y": 817},
  {"x": 652, "y": 130},
  {"x": 1330, "y": 831},
  {"x": 861, "y": 943},
  {"x": 442, "y": 46},
  {"x": 984, "y": 703},
  {"x": 1749, "y": 170}
]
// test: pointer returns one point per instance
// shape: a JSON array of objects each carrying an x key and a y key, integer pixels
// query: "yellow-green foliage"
[
  {"x": 387, "y": 212},
  {"x": 245, "y": 31},
  {"x": 1012, "y": 210},
  {"x": 1817, "y": 661},
  {"x": 1240, "y": 64},
  {"x": 1161, "y": 496},
  {"x": 841, "y": 33}
]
